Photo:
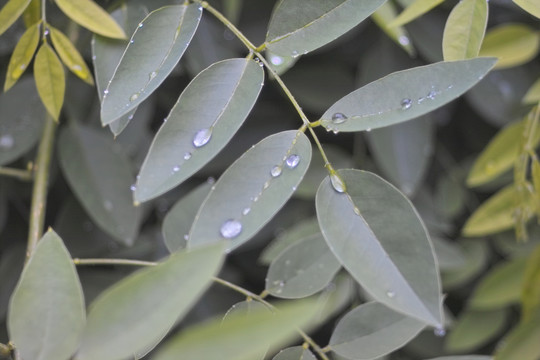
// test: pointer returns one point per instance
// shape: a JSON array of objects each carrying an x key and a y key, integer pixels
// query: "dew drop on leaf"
[
  {"x": 404, "y": 40},
  {"x": 431, "y": 95},
  {"x": 187, "y": 156},
  {"x": 337, "y": 183},
  {"x": 292, "y": 161},
  {"x": 152, "y": 75},
  {"x": 406, "y": 103},
  {"x": 246, "y": 211},
  {"x": 390, "y": 294},
  {"x": 133, "y": 187},
  {"x": 202, "y": 137},
  {"x": 276, "y": 171},
  {"x": 141, "y": 25},
  {"x": 176, "y": 168},
  {"x": 133, "y": 97},
  {"x": 276, "y": 60},
  {"x": 231, "y": 229},
  {"x": 339, "y": 118}
]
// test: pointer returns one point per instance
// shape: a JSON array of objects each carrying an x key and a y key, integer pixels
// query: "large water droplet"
[
  {"x": 134, "y": 97},
  {"x": 231, "y": 229},
  {"x": 406, "y": 103},
  {"x": 390, "y": 294},
  {"x": 276, "y": 60},
  {"x": 6, "y": 142},
  {"x": 339, "y": 118},
  {"x": 338, "y": 183},
  {"x": 292, "y": 161},
  {"x": 202, "y": 137},
  {"x": 187, "y": 156},
  {"x": 276, "y": 171}
]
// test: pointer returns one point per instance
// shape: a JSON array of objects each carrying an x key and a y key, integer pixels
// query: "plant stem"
[
  {"x": 23, "y": 175},
  {"x": 77, "y": 261},
  {"x": 39, "y": 192}
]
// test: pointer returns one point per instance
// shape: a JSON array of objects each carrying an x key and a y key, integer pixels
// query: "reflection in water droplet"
[
  {"x": 133, "y": 97},
  {"x": 202, "y": 137},
  {"x": 105, "y": 92},
  {"x": 292, "y": 161},
  {"x": 390, "y": 294},
  {"x": 276, "y": 171},
  {"x": 276, "y": 60},
  {"x": 131, "y": 41},
  {"x": 231, "y": 229},
  {"x": 439, "y": 332},
  {"x": 6, "y": 142},
  {"x": 108, "y": 205},
  {"x": 406, "y": 104},
  {"x": 187, "y": 156},
  {"x": 246, "y": 211},
  {"x": 337, "y": 183},
  {"x": 46, "y": 32},
  {"x": 339, "y": 118},
  {"x": 176, "y": 168},
  {"x": 431, "y": 95},
  {"x": 133, "y": 187},
  {"x": 141, "y": 25}
]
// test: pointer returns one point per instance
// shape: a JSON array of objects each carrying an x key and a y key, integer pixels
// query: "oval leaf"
[
  {"x": 404, "y": 95},
  {"x": 465, "y": 29},
  {"x": 155, "y": 48},
  {"x": 135, "y": 313},
  {"x": 198, "y": 127},
  {"x": 302, "y": 269},
  {"x": 32, "y": 13},
  {"x": 380, "y": 239},
  {"x": 11, "y": 12},
  {"x": 300, "y": 26},
  {"x": 372, "y": 330},
  {"x": 89, "y": 15},
  {"x": 252, "y": 190},
  {"x": 295, "y": 353},
  {"x": 48, "y": 326},
  {"x": 100, "y": 176},
  {"x": 383, "y": 17},
  {"x": 70, "y": 55},
  {"x": 533, "y": 94},
  {"x": 22, "y": 55},
  {"x": 50, "y": 80},
  {"x": 414, "y": 11},
  {"x": 522, "y": 342},
  {"x": 530, "y": 6},
  {"x": 530, "y": 291}
]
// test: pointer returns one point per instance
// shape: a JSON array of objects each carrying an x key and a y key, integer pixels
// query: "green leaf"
[
  {"x": 300, "y": 26},
  {"x": 302, "y": 269},
  {"x": 500, "y": 287},
  {"x": 32, "y": 13},
  {"x": 11, "y": 12},
  {"x": 50, "y": 80},
  {"x": 99, "y": 174},
  {"x": 380, "y": 239},
  {"x": 475, "y": 329},
  {"x": 533, "y": 94},
  {"x": 241, "y": 337},
  {"x": 89, "y": 15},
  {"x": 522, "y": 342},
  {"x": 155, "y": 48},
  {"x": 22, "y": 55},
  {"x": 414, "y": 11},
  {"x": 476, "y": 259},
  {"x": 178, "y": 221},
  {"x": 46, "y": 314},
  {"x": 22, "y": 117},
  {"x": 465, "y": 29},
  {"x": 383, "y": 17},
  {"x": 134, "y": 314},
  {"x": 372, "y": 330},
  {"x": 198, "y": 127},
  {"x": 496, "y": 214},
  {"x": 404, "y": 95},
  {"x": 295, "y": 353},
  {"x": 280, "y": 64},
  {"x": 530, "y": 6},
  {"x": 449, "y": 254},
  {"x": 500, "y": 154},
  {"x": 252, "y": 190},
  {"x": 530, "y": 291},
  {"x": 513, "y": 43},
  {"x": 70, "y": 56}
]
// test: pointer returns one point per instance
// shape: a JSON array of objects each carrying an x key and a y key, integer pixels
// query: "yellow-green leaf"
[
  {"x": 11, "y": 12},
  {"x": 535, "y": 174},
  {"x": 414, "y": 11},
  {"x": 514, "y": 44},
  {"x": 465, "y": 29},
  {"x": 50, "y": 80},
  {"x": 530, "y": 291},
  {"x": 496, "y": 214},
  {"x": 522, "y": 342},
  {"x": 383, "y": 16},
  {"x": 533, "y": 94},
  {"x": 32, "y": 14},
  {"x": 530, "y": 6},
  {"x": 22, "y": 55},
  {"x": 70, "y": 55},
  {"x": 89, "y": 15}
]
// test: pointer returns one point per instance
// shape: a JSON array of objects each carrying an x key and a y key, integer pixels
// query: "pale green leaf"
[
  {"x": 513, "y": 43},
  {"x": 380, "y": 239},
  {"x": 99, "y": 174},
  {"x": 22, "y": 55},
  {"x": 476, "y": 259},
  {"x": 500, "y": 154},
  {"x": 155, "y": 48},
  {"x": 11, "y": 12},
  {"x": 530, "y": 291},
  {"x": 21, "y": 114},
  {"x": 533, "y": 94},
  {"x": 46, "y": 313},
  {"x": 70, "y": 56},
  {"x": 530, "y": 6},
  {"x": 449, "y": 254},
  {"x": 300, "y": 26},
  {"x": 198, "y": 127},
  {"x": 252, "y": 190},
  {"x": 134, "y": 314},
  {"x": 522, "y": 341},
  {"x": 383, "y": 17},
  {"x": 280, "y": 64},
  {"x": 89, "y": 15},
  {"x": 241, "y": 337},
  {"x": 465, "y": 29},
  {"x": 32, "y": 13},
  {"x": 302, "y": 269},
  {"x": 404, "y": 95},
  {"x": 473, "y": 329},
  {"x": 414, "y": 11},
  {"x": 496, "y": 214},
  {"x": 50, "y": 80},
  {"x": 372, "y": 330},
  {"x": 178, "y": 221},
  {"x": 295, "y": 353}
]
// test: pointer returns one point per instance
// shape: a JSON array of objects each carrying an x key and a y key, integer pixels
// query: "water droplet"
[
  {"x": 292, "y": 161},
  {"x": 266, "y": 185},
  {"x": 431, "y": 95},
  {"x": 404, "y": 40},
  {"x": 276, "y": 60},
  {"x": 176, "y": 168},
  {"x": 152, "y": 75},
  {"x": 131, "y": 41},
  {"x": 105, "y": 92},
  {"x": 202, "y": 137},
  {"x": 368, "y": 129},
  {"x": 256, "y": 198},
  {"x": 390, "y": 294},
  {"x": 46, "y": 32},
  {"x": 339, "y": 118},
  {"x": 187, "y": 156},
  {"x": 246, "y": 211},
  {"x": 94, "y": 57},
  {"x": 338, "y": 183},
  {"x": 108, "y": 205},
  {"x": 406, "y": 103},
  {"x": 186, "y": 237},
  {"x": 133, "y": 187},
  {"x": 6, "y": 142},
  {"x": 141, "y": 25},
  {"x": 294, "y": 54},
  {"x": 130, "y": 117},
  {"x": 276, "y": 171},
  {"x": 231, "y": 229},
  {"x": 439, "y": 332},
  {"x": 165, "y": 120},
  {"x": 133, "y": 97}
]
